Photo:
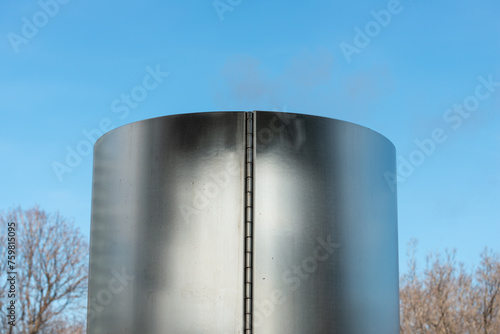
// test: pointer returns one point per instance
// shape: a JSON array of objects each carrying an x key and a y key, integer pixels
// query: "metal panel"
[
  {"x": 325, "y": 228},
  {"x": 167, "y": 227},
  {"x": 237, "y": 222}
]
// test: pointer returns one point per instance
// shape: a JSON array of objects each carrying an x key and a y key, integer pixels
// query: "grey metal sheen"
[
  {"x": 243, "y": 222},
  {"x": 325, "y": 230}
]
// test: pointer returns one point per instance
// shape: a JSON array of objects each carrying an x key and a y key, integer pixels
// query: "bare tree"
[
  {"x": 52, "y": 269},
  {"x": 487, "y": 294},
  {"x": 446, "y": 298}
]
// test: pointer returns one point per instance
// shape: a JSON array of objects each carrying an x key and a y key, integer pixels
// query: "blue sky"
[{"x": 396, "y": 67}]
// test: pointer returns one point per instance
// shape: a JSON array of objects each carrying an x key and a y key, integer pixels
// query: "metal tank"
[{"x": 243, "y": 222}]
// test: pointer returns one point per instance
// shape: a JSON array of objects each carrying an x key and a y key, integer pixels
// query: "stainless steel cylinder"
[{"x": 243, "y": 222}]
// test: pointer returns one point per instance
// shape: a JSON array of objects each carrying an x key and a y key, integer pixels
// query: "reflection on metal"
[{"x": 243, "y": 222}]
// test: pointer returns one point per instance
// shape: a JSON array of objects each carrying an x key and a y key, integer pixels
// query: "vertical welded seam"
[{"x": 248, "y": 274}]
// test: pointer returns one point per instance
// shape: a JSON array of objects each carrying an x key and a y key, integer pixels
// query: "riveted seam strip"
[{"x": 248, "y": 198}]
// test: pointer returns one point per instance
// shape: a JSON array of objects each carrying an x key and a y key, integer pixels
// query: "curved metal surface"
[
  {"x": 174, "y": 209},
  {"x": 325, "y": 229},
  {"x": 167, "y": 225}
]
